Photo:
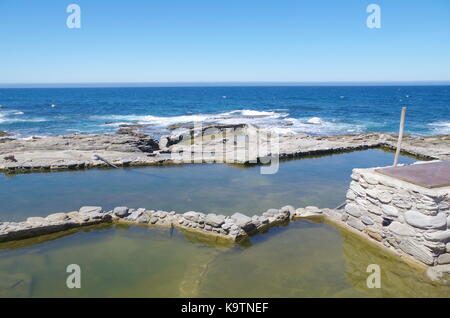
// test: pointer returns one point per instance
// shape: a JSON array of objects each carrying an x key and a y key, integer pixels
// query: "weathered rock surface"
[
  {"x": 75, "y": 152},
  {"x": 202, "y": 145}
]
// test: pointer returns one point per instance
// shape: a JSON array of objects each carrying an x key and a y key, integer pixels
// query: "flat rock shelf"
[{"x": 82, "y": 151}]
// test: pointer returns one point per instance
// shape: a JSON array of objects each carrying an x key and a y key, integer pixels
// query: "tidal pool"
[
  {"x": 302, "y": 259},
  {"x": 211, "y": 188}
]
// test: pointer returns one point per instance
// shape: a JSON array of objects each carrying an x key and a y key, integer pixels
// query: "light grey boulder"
[
  {"x": 288, "y": 209},
  {"x": 270, "y": 212},
  {"x": 153, "y": 220},
  {"x": 121, "y": 211},
  {"x": 161, "y": 214},
  {"x": 443, "y": 205},
  {"x": 384, "y": 197},
  {"x": 191, "y": 216},
  {"x": 313, "y": 209},
  {"x": 214, "y": 220},
  {"x": 355, "y": 187},
  {"x": 402, "y": 204},
  {"x": 57, "y": 217},
  {"x": 244, "y": 222},
  {"x": 36, "y": 220},
  {"x": 144, "y": 218},
  {"x": 309, "y": 211},
  {"x": 96, "y": 215},
  {"x": 353, "y": 210},
  {"x": 240, "y": 219},
  {"x": 416, "y": 250},
  {"x": 444, "y": 259},
  {"x": 355, "y": 223},
  {"x": 350, "y": 195},
  {"x": 372, "y": 193},
  {"x": 372, "y": 208},
  {"x": 437, "y": 272},
  {"x": 366, "y": 220},
  {"x": 90, "y": 209},
  {"x": 438, "y": 236},
  {"x": 389, "y": 210},
  {"x": 133, "y": 216},
  {"x": 256, "y": 221},
  {"x": 423, "y": 221},
  {"x": 370, "y": 180},
  {"x": 398, "y": 228},
  {"x": 226, "y": 226}
]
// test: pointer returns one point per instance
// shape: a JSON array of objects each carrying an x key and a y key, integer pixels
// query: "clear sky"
[{"x": 223, "y": 40}]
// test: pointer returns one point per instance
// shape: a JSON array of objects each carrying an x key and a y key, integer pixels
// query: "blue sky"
[{"x": 223, "y": 40}]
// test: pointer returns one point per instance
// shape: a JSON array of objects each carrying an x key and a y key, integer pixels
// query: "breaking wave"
[
  {"x": 277, "y": 121},
  {"x": 441, "y": 127}
]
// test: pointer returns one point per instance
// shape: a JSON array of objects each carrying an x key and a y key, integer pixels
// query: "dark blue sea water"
[{"x": 313, "y": 110}]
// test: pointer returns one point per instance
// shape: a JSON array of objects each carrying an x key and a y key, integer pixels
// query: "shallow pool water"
[
  {"x": 301, "y": 259},
  {"x": 212, "y": 188}
]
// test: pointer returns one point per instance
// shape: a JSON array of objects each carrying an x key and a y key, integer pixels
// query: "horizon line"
[{"x": 223, "y": 84}]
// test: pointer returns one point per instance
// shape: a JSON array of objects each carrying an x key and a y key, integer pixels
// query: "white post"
[{"x": 400, "y": 136}]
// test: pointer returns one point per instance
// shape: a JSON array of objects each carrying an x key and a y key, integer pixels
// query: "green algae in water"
[
  {"x": 302, "y": 259},
  {"x": 212, "y": 188}
]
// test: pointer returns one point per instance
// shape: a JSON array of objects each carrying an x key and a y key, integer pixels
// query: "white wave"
[
  {"x": 31, "y": 137},
  {"x": 441, "y": 127},
  {"x": 314, "y": 120},
  {"x": 17, "y": 120},
  {"x": 276, "y": 121},
  {"x": 10, "y": 116},
  {"x": 256, "y": 113}
]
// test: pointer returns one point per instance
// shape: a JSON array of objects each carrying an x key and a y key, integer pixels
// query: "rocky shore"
[{"x": 213, "y": 144}]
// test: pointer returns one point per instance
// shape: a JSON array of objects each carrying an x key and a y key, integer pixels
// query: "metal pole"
[{"x": 400, "y": 136}]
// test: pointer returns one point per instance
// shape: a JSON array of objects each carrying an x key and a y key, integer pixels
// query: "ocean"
[{"x": 315, "y": 110}]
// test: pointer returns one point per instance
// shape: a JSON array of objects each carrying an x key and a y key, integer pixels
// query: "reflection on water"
[
  {"x": 211, "y": 188},
  {"x": 302, "y": 259}
]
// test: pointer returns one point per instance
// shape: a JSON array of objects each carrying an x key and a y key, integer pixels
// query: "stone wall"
[
  {"x": 407, "y": 218},
  {"x": 233, "y": 228}
]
